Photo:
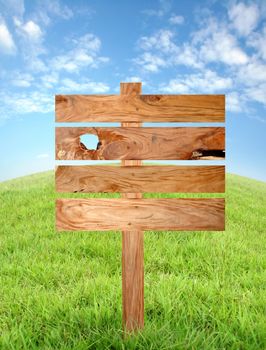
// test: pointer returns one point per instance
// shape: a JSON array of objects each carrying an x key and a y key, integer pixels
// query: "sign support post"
[{"x": 132, "y": 248}]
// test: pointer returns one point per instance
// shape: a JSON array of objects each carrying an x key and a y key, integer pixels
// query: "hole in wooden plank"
[
  {"x": 90, "y": 142},
  {"x": 213, "y": 153},
  {"x": 208, "y": 154}
]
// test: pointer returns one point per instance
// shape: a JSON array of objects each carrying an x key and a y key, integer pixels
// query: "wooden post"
[{"x": 132, "y": 249}]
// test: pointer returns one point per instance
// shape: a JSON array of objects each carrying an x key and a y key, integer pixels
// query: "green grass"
[{"x": 203, "y": 290}]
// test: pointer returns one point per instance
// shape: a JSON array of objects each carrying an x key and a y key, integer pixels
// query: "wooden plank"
[
  {"x": 164, "y": 179},
  {"x": 140, "y": 108},
  {"x": 142, "y": 143},
  {"x": 132, "y": 245},
  {"x": 140, "y": 214}
]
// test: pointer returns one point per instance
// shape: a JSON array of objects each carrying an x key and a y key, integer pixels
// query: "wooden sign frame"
[{"x": 131, "y": 144}]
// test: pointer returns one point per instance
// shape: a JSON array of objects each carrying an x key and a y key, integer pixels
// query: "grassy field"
[{"x": 203, "y": 290}]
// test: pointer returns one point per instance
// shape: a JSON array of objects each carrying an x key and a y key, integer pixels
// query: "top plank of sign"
[{"x": 140, "y": 108}]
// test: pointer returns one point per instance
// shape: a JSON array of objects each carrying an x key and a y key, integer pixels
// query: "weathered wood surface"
[
  {"x": 132, "y": 246},
  {"x": 142, "y": 143},
  {"x": 133, "y": 279},
  {"x": 140, "y": 108},
  {"x": 164, "y": 179},
  {"x": 140, "y": 214},
  {"x": 132, "y": 214}
]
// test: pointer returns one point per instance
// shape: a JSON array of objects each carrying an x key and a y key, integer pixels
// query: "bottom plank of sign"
[{"x": 144, "y": 214}]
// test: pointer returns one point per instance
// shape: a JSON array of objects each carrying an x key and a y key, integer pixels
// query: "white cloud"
[
  {"x": 150, "y": 62},
  {"x": 35, "y": 64},
  {"x": 12, "y": 8},
  {"x": 42, "y": 156},
  {"x": 175, "y": 86},
  {"x": 7, "y": 44},
  {"x": 217, "y": 44},
  {"x": 159, "y": 50},
  {"x": 233, "y": 102},
  {"x": 175, "y": 19},
  {"x": 32, "y": 30},
  {"x": 31, "y": 38},
  {"x": 22, "y": 79},
  {"x": 58, "y": 9},
  {"x": 257, "y": 93},
  {"x": 257, "y": 117},
  {"x": 84, "y": 54},
  {"x": 29, "y": 29},
  {"x": 258, "y": 41},
  {"x": 203, "y": 82},
  {"x": 213, "y": 43},
  {"x": 187, "y": 55},
  {"x": 161, "y": 40},
  {"x": 163, "y": 8},
  {"x": 64, "y": 63},
  {"x": 67, "y": 85},
  {"x": 88, "y": 42},
  {"x": 215, "y": 57},
  {"x": 50, "y": 80},
  {"x": 252, "y": 73},
  {"x": 33, "y": 102},
  {"x": 52, "y": 10},
  {"x": 20, "y": 83},
  {"x": 41, "y": 101},
  {"x": 156, "y": 13},
  {"x": 244, "y": 17},
  {"x": 133, "y": 79},
  {"x": 26, "y": 102}
]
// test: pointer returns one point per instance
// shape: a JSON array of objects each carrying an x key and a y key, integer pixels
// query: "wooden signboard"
[{"x": 131, "y": 144}]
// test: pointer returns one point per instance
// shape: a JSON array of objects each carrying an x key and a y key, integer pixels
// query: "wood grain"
[
  {"x": 133, "y": 279},
  {"x": 140, "y": 108},
  {"x": 164, "y": 179},
  {"x": 132, "y": 214},
  {"x": 132, "y": 245},
  {"x": 142, "y": 143},
  {"x": 140, "y": 214}
]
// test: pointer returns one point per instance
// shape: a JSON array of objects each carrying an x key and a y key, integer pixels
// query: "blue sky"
[{"x": 173, "y": 47}]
